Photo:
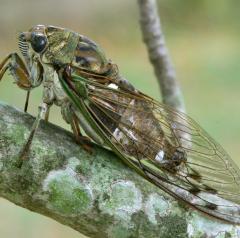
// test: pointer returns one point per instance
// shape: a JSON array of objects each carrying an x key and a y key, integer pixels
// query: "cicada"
[{"x": 165, "y": 146}]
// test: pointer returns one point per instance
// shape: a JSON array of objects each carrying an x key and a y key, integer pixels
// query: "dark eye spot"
[
  {"x": 210, "y": 190},
  {"x": 211, "y": 206},
  {"x": 194, "y": 190},
  {"x": 38, "y": 42}
]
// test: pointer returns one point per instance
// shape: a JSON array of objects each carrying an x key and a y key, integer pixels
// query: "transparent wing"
[{"x": 172, "y": 150}]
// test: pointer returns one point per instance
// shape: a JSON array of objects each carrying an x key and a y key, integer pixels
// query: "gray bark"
[
  {"x": 95, "y": 194},
  {"x": 158, "y": 54}
]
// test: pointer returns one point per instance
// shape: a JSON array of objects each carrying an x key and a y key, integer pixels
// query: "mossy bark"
[{"x": 95, "y": 194}]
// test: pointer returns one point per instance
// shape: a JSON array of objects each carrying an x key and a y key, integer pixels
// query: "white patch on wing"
[
  {"x": 113, "y": 86},
  {"x": 132, "y": 102},
  {"x": 106, "y": 104},
  {"x": 91, "y": 87},
  {"x": 119, "y": 135},
  {"x": 130, "y": 134},
  {"x": 160, "y": 156},
  {"x": 131, "y": 119}
]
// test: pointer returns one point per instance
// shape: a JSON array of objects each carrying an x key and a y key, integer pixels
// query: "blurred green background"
[{"x": 203, "y": 39}]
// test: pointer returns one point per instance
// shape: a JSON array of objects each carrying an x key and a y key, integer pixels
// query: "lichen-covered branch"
[
  {"x": 95, "y": 194},
  {"x": 158, "y": 54}
]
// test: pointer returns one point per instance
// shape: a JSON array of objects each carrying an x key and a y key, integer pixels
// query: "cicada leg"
[
  {"x": 23, "y": 155},
  {"x": 26, "y": 101},
  {"x": 70, "y": 117},
  {"x": 17, "y": 68},
  {"x": 46, "y": 117},
  {"x": 83, "y": 141}
]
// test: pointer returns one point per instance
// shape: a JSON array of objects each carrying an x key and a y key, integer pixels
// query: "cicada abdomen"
[{"x": 132, "y": 124}]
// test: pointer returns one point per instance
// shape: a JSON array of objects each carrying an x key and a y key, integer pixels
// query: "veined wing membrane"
[{"x": 174, "y": 152}]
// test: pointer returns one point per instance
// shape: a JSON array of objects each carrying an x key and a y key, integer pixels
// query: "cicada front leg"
[
  {"x": 18, "y": 70},
  {"x": 22, "y": 76}
]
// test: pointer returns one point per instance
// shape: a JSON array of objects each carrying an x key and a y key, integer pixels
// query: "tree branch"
[
  {"x": 158, "y": 54},
  {"x": 95, "y": 194}
]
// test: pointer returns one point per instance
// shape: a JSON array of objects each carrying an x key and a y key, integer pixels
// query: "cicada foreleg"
[{"x": 18, "y": 70}]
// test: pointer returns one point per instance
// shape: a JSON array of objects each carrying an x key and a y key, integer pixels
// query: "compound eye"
[{"x": 38, "y": 42}]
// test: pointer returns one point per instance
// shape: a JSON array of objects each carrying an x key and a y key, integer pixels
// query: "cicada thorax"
[
  {"x": 68, "y": 47},
  {"x": 89, "y": 56},
  {"x": 61, "y": 46},
  {"x": 136, "y": 131}
]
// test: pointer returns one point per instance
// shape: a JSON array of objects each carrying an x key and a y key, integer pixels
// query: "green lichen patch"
[
  {"x": 203, "y": 226},
  {"x": 45, "y": 160},
  {"x": 173, "y": 226},
  {"x": 122, "y": 200},
  {"x": 1, "y": 164},
  {"x": 170, "y": 226},
  {"x": 68, "y": 194},
  {"x": 15, "y": 134},
  {"x": 156, "y": 206},
  {"x": 119, "y": 231}
]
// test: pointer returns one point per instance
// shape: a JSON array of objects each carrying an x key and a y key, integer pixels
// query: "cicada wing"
[
  {"x": 169, "y": 148},
  {"x": 210, "y": 204}
]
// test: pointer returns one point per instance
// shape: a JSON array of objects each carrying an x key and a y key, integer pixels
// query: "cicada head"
[
  {"x": 59, "y": 46},
  {"x": 33, "y": 42},
  {"x": 53, "y": 45}
]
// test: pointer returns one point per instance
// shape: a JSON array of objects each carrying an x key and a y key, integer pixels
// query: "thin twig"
[{"x": 158, "y": 54}]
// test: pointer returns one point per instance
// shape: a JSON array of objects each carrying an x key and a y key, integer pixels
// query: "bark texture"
[
  {"x": 95, "y": 194},
  {"x": 158, "y": 54}
]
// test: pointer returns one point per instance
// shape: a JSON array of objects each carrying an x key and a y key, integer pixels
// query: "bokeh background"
[{"x": 203, "y": 39}]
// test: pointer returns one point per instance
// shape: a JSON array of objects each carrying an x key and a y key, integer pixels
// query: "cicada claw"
[{"x": 85, "y": 143}]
